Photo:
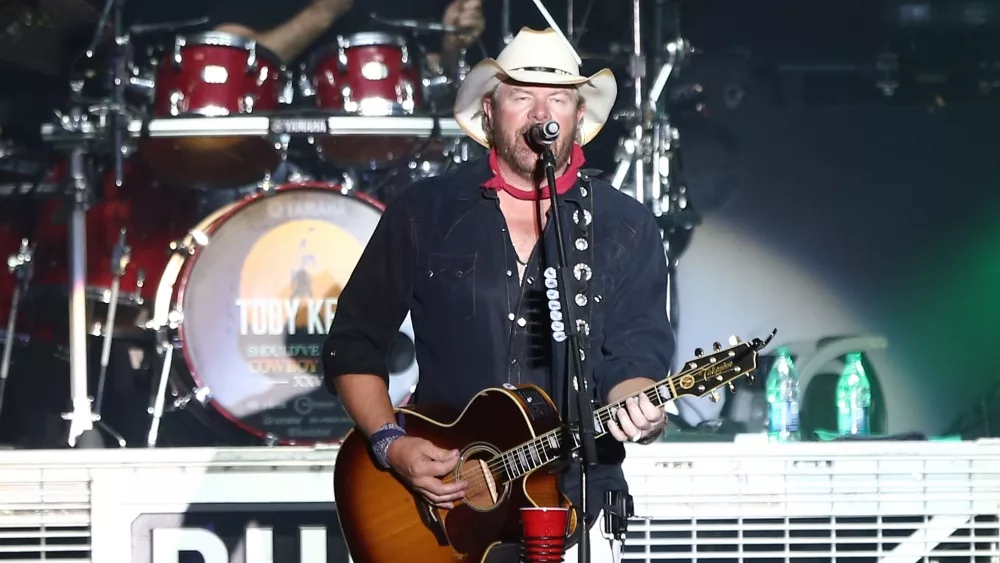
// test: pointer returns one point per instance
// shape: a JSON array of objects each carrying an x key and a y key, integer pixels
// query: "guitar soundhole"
[{"x": 481, "y": 469}]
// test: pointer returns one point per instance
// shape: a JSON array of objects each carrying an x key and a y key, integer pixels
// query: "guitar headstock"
[{"x": 706, "y": 373}]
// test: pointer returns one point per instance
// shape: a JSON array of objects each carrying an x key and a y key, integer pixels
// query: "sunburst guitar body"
[{"x": 508, "y": 439}]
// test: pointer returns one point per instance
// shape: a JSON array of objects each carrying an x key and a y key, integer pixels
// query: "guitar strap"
[{"x": 582, "y": 263}]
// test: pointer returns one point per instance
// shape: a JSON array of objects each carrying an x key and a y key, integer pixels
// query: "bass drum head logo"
[{"x": 259, "y": 302}]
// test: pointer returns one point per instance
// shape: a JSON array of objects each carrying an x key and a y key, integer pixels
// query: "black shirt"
[
  {"x": 441, "y": 251},
  {"x": 265, "y": 15}
]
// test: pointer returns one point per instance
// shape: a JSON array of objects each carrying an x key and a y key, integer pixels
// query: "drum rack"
[{"x": 263, "y": 126}]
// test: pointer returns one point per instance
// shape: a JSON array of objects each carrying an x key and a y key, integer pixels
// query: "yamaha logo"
[{"x": 299, "y": 126}]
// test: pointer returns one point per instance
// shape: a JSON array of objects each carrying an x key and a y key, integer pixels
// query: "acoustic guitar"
[{"x": 505, "y": 436}]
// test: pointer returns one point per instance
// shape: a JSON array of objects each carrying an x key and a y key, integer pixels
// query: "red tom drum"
[
  {"x": 371, "y": 74},
  {"x": 214, "y": 74}
]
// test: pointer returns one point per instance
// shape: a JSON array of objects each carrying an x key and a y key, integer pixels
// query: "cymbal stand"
[
  {"x": 20, "y": 267},
  {"x": 506, "y": 36},
  {"x": 653, "y": 142},
  {"x": 121, "y": 254},
  {"x": 81, "y": 417},
  {"x": 119, "y": 78},
  {"x": 555, "y": 27}
]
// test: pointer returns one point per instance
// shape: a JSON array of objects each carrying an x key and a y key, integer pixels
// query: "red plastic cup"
[{"x": 544, "y": 531}]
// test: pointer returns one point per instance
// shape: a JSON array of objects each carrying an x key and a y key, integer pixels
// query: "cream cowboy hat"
[{"x": 535, "y": 57}]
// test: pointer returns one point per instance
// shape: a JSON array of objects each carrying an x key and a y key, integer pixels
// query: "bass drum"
[{"x": 247, "y": 304}]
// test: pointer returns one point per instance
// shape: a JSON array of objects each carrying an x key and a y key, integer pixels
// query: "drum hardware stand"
[
  {"x": 555, "y": 27},
  {"x": 119, "y": 79},
  {"x": 120, "y": 258},
  {"x": 201, "y": 394},
  {"x": 81, "y": 417},
  {"x": 654, "y": 141},
  {"x": 156, "y": 410},
  {"x": 20, "y": 266},
  {"x": 166, "y": 321},
  {"x": 505, "y": 34}
]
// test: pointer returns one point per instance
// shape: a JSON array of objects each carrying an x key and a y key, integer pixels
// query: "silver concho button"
[
  {"x": 581, "y": 244},
  {"x": 581, "y": 299},
  {"x": 582, "y": 272}
]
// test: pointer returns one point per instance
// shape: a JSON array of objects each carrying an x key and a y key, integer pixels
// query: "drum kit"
[{"x": 214, "y": 203}]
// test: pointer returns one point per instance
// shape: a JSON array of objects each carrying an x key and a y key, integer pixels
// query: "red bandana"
[{"x": 563, "y": 183}]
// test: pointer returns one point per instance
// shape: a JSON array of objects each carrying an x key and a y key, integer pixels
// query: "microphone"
[{"x": 544, "y": 134}]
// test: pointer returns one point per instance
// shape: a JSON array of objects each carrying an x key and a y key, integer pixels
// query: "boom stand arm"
[{"x": 576, "y": 380}]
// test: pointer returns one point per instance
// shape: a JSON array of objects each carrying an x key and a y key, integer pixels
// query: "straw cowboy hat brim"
[{"x": 535, "y": 57}]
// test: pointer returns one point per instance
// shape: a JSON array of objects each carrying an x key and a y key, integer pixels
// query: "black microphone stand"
[{"x": 576, "y": 380}]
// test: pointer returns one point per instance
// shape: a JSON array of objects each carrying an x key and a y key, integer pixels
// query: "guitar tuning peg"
[
  {"x": 714, "y": 395},
  {"x": 750, "y": 377},
  {"x": 734, "y": 340},
  {"x": 716, "y": 346},
  {"x": 698, "y": 352},
  {"x": 732, "y": 386}
]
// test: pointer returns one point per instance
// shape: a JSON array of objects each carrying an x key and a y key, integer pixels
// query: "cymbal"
[
  {"x": 170, "y": 27},
  {"x": 607, "y": 58},
  {"x": 33, "y": 35},
  {"x": 418, "y": 25}
]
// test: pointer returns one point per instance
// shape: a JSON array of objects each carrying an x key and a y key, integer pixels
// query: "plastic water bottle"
[
  {"x": 783, "y": 399},
  {"x": 854, "y": 398}
]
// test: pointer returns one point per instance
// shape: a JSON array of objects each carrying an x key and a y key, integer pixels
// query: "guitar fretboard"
[
  {"x": 546, "y": 448},
  {"x": 700, "y": 377}
]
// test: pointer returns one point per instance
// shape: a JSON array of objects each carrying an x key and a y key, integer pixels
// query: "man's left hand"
[
  {"x": 466, "y": 14},
  {"x": 640, "y": 419}
]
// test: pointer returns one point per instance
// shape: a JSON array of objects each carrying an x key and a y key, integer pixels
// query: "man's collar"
[{"x": 481, "y": 174}]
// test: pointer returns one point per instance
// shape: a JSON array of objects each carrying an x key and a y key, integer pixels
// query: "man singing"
[{"x": 466, "y": 252}]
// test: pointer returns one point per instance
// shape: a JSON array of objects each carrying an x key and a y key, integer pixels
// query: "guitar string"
[
  {"x": 500, "y": 462},
  {"x": 604, "y": 415}
]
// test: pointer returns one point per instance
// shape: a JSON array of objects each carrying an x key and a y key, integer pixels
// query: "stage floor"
[{"x": 898, "y": 501}]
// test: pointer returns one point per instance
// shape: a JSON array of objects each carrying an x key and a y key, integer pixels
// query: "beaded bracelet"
[{"x": 380, "y": 440}]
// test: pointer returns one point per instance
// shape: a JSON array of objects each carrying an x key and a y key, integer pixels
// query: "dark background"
[{"x": 828, "y": 207}]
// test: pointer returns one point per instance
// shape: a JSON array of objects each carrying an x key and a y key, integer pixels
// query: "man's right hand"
[{"x": 421, "y": 463}]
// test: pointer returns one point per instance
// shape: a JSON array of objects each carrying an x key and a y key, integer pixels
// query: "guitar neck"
[
  {"x": 550, "y": 446},
  {"x": 700, "y": 376}
]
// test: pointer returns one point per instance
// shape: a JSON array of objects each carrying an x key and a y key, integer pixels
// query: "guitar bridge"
[{"x": 491, "y": 483}]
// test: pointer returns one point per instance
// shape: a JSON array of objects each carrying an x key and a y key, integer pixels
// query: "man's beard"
[{"x": 513, "y": 149}]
